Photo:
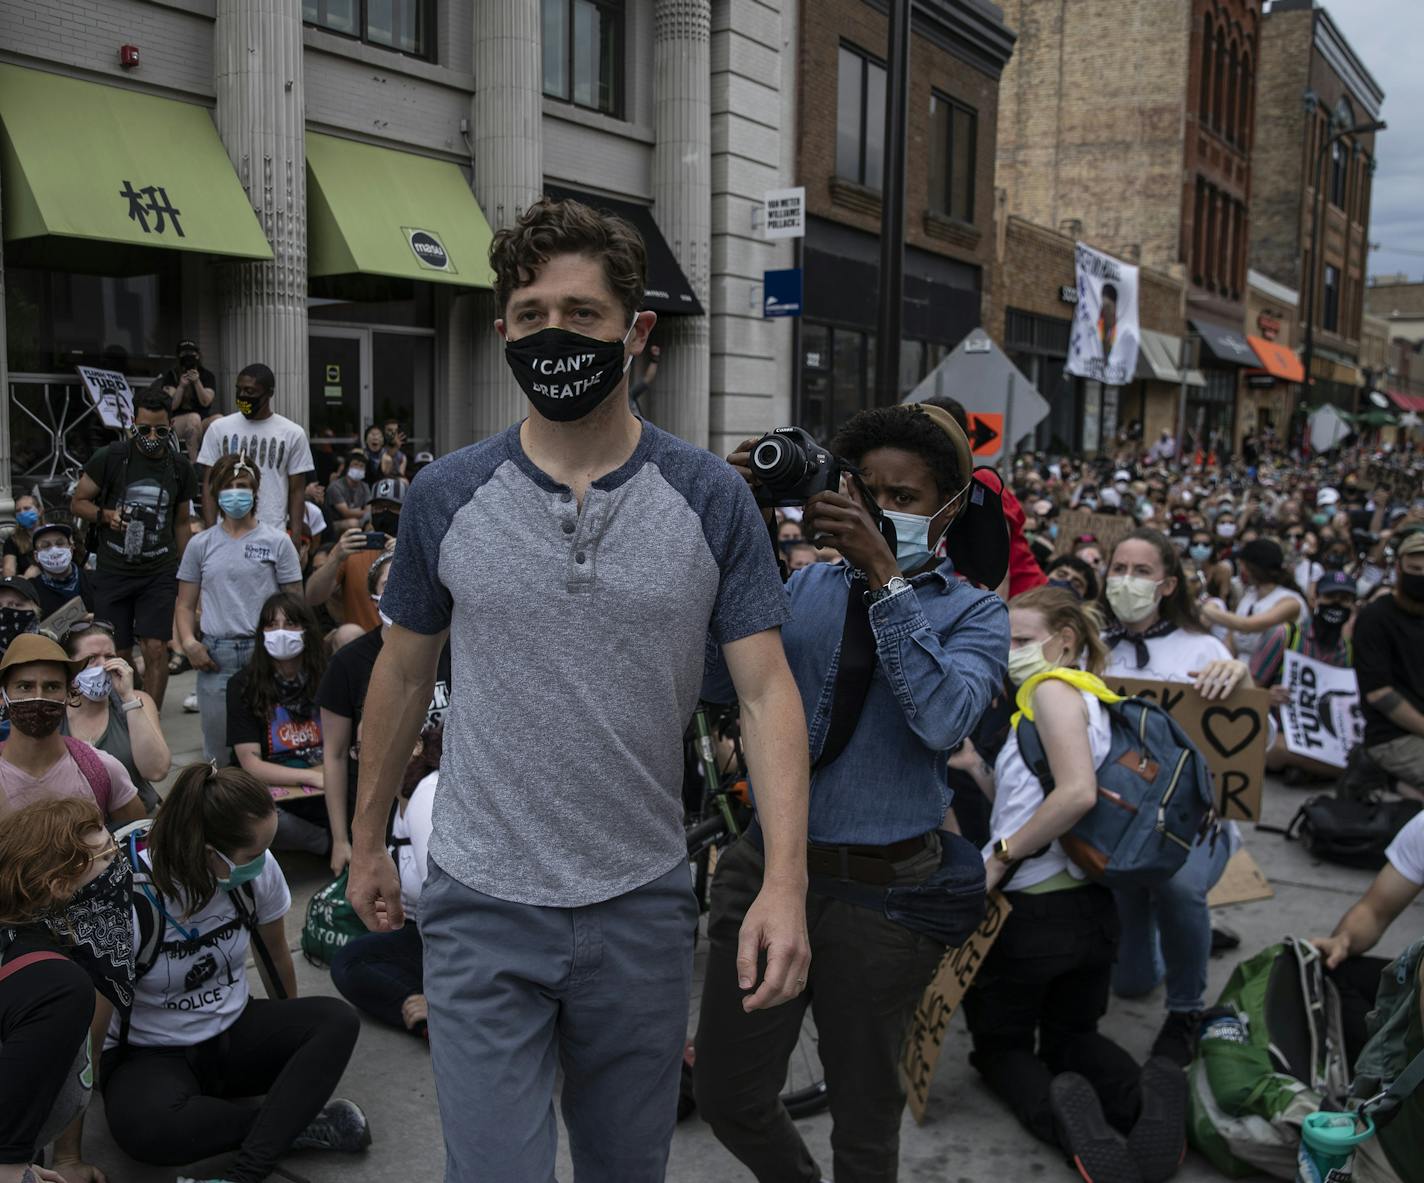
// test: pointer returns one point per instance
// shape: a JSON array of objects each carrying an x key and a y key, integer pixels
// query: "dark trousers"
[
  {"x": 379, "y": 971},
  {"x": 169, "y": 1106},
  {"x": 1357, "y": 980},
  {"x": 1033, "y": 1010},
  {"x": 866, "y": 976}
]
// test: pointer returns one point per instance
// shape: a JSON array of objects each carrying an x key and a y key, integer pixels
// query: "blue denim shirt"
[{"x": 941, "y": 648}]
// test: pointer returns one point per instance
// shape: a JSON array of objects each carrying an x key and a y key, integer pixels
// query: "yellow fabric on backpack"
[{"x": 1084, "y": 681}]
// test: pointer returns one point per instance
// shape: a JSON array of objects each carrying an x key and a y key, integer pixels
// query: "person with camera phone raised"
[
  {"x": 896, "y": 658},
  {"x": 191, "y": 389},
  {"x": 138, "y": 490}
]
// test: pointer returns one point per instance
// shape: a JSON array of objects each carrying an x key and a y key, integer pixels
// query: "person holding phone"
[
  {"x": 231, "y": 569},
  {"x": 354, "y": 553}
]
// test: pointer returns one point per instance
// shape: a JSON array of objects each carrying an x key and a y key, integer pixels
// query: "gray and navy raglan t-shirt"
[{"x": 577, "y": 644}]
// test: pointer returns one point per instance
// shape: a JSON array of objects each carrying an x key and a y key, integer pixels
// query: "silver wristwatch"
[{"x": 896, "y": 585}]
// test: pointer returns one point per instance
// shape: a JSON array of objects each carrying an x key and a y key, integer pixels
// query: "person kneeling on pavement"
[
  {"x": 1034, "y": 1007},
  {"x": 381, "y": 971},
  {"x": 196, "y": 1040},
  {"x": 936, "y": 647}
]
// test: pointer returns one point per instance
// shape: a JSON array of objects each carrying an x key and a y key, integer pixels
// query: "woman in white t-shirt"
[
  {"x": 1271, "y": 598},
  {"x": 196, "y": 1039},
  {"x": 381, "y": 972},
  {"x": 1155, "y": 633},
  {"x": 1034, "y": 1007}
]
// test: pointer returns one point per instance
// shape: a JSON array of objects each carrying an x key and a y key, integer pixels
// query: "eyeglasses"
[
  {"x": 151, "y": 429},
  {"x": 84, "y": 626}
]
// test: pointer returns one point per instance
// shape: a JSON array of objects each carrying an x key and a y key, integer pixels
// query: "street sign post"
[{"x": 1001, "y": 405}]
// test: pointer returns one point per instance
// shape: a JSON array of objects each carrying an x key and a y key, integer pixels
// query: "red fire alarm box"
[{"x": 128, "y": 56}]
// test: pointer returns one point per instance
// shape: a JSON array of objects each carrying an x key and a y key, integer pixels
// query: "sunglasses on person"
[
  {"x": 147, "y": 429},
  {"x": 84, "y": 626}
]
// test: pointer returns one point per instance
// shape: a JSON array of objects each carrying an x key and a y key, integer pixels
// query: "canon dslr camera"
[{"x": 791, "y": 467}]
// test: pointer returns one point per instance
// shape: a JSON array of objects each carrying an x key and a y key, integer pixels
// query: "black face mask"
[
  {"x": 251, "y": 406},
  {"x": 96, "y": 929},
  {"x": 150, "y": 445},
  {"x": 1330, "y": 619},
  {"x": 566, "y": 375},
  {"x": 36, "y": 717},
  {"x": 1412, "y": 586},
  {"x": 1333, "y": 561},
  {"x": 13, "y": 622},
  {"x": 387, "y": 522}
]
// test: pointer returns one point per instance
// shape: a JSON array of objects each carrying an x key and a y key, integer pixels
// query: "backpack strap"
[
  {"x": 244, "y": 899},
  {"x": 100, "y": 783},
  {"x": 27, "y": 959}
]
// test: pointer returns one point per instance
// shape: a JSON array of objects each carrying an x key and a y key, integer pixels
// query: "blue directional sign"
[{"x": 781, "y": 292}]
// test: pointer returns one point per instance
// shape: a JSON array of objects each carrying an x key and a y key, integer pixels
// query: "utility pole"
[{"x": 892, "y": 207}]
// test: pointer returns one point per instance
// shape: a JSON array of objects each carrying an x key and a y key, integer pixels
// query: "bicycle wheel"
[{"x": 805, "y": 1092}]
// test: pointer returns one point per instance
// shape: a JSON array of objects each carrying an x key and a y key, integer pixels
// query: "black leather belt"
[{"x": 863, "y": 864}]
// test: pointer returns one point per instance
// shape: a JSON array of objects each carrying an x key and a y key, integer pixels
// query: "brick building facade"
[
  {"x": 1304, "y": 54},
  {"x": 958, "y": 50}
]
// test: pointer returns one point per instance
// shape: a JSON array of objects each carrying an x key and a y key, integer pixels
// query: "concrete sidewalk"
[{"x": 968, "y": 1136}]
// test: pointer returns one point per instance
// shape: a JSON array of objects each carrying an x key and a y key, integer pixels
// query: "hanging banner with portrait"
[{"x": 1103, "y": 345}]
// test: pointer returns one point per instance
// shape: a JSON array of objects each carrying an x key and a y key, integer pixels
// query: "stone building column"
[
  {"x": 7, "y": 501},
  {"x": 682, "y": 205},
  {"x": 257, "y": 67},
  {"x": 507, "y": 119}
]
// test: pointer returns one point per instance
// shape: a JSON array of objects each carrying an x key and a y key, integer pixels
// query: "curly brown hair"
[
  {"x": 552, "y": 226},
  {"x": 42, "y": 849}
]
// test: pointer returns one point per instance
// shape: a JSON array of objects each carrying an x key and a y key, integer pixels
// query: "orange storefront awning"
[{"x": 1278, "y": 360}]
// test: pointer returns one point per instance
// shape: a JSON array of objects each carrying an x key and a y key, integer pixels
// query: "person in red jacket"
[{"x": 1024, "y": 571}]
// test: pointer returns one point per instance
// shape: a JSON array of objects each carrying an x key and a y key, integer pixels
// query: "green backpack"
[
  {"x": 1271, "y": 1051},
  {"x": 331, "y": 922}
]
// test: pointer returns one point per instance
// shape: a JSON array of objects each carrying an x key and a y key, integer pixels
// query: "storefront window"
[{"x": 56, "y": 320}]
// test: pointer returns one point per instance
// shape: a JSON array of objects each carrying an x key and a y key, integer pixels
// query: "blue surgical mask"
[
  {"x": 1200, "y": 551},
  {"x": 1053, "y": 530},
  {"x": 238, "y": 875},
  {"x": 236, "y": 503},
  {"x": 912, "y": 538},
  {"x": 29, "y": 518}
]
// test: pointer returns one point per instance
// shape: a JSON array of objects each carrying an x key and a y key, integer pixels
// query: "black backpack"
[{"x": 1354, "y": 833}]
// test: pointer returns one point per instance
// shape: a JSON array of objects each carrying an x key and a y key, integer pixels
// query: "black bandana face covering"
[
  {"x": 95, "y": 931},
  {"x": 13, "y": 622},
  {"x": 566, "y": 375}
]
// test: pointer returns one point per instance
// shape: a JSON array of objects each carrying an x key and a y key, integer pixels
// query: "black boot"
[{"x": 1177, "y": 1041}]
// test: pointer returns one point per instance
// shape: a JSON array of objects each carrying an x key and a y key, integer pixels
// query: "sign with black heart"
[{"x": 1230, "y": 732}]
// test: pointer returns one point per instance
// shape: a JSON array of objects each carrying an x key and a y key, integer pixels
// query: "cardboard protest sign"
[
  {"x": 59, "y": 621},
  {"x": 293, "y": 792},
  {"x": 1230, "y": 732},
  {"x": 1241, "y": 882},
  {"x": 110, "y": 393},
  {"x": 1322, "y": 720},
  {"x": 939, "y": 1002},
  {"x": 1107, "y": 528}
]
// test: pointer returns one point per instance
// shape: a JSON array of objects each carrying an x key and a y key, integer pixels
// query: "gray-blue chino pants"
[{"x": 602, "y": 991}]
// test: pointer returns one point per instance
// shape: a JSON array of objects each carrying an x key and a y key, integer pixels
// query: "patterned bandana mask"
[{"x": 96, "y": 930}]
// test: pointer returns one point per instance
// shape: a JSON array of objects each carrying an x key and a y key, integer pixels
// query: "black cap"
[
  {"x": 47, "y": 527},
  {"x": 187, "y": 345},
  {"x": 23, "y": 586},
  {"x": 391, "y": 488}
]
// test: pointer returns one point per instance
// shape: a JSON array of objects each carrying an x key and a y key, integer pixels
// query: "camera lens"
[{"x": 779, "y": 462}]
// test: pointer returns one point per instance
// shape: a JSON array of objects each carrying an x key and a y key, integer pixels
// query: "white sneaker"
[{"x": 190, "y": 704}]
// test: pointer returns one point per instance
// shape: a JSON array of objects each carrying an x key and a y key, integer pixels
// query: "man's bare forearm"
[
  {"x": 1393, "y": 705},
  {"x": 395, "y": 708},
  {"x": 774, "y": 728}
]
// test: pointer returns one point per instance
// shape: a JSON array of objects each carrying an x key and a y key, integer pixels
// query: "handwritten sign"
[
  {"x": 1230, "y": 733},
  {"x": 1322, "y": 720},
  {"x": 293, "y": 792},
  {"x": 1107, "y": 528},
  {"x": 941, "y": 999},
  {"x": 58, "y": 622},
  {"x": 109, "y": 391}
]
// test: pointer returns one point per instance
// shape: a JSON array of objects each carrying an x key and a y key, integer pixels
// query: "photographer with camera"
[
  {"x": 354, "y": 554},
  {"x": 887, "y": 694},
  {"x": 192, "y": 393},
  {"x": 137, "y": 491}
]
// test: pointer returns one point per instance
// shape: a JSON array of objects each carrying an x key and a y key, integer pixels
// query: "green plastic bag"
[{"x": 331, "y": 923}]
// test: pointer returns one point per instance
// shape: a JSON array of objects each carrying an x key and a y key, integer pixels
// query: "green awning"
[
  {"x": 87, "y": 163},
  {"x": 376, "y": 211}
]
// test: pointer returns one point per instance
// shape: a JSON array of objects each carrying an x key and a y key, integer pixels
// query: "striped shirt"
[{"x": 1266, "y": 662}]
